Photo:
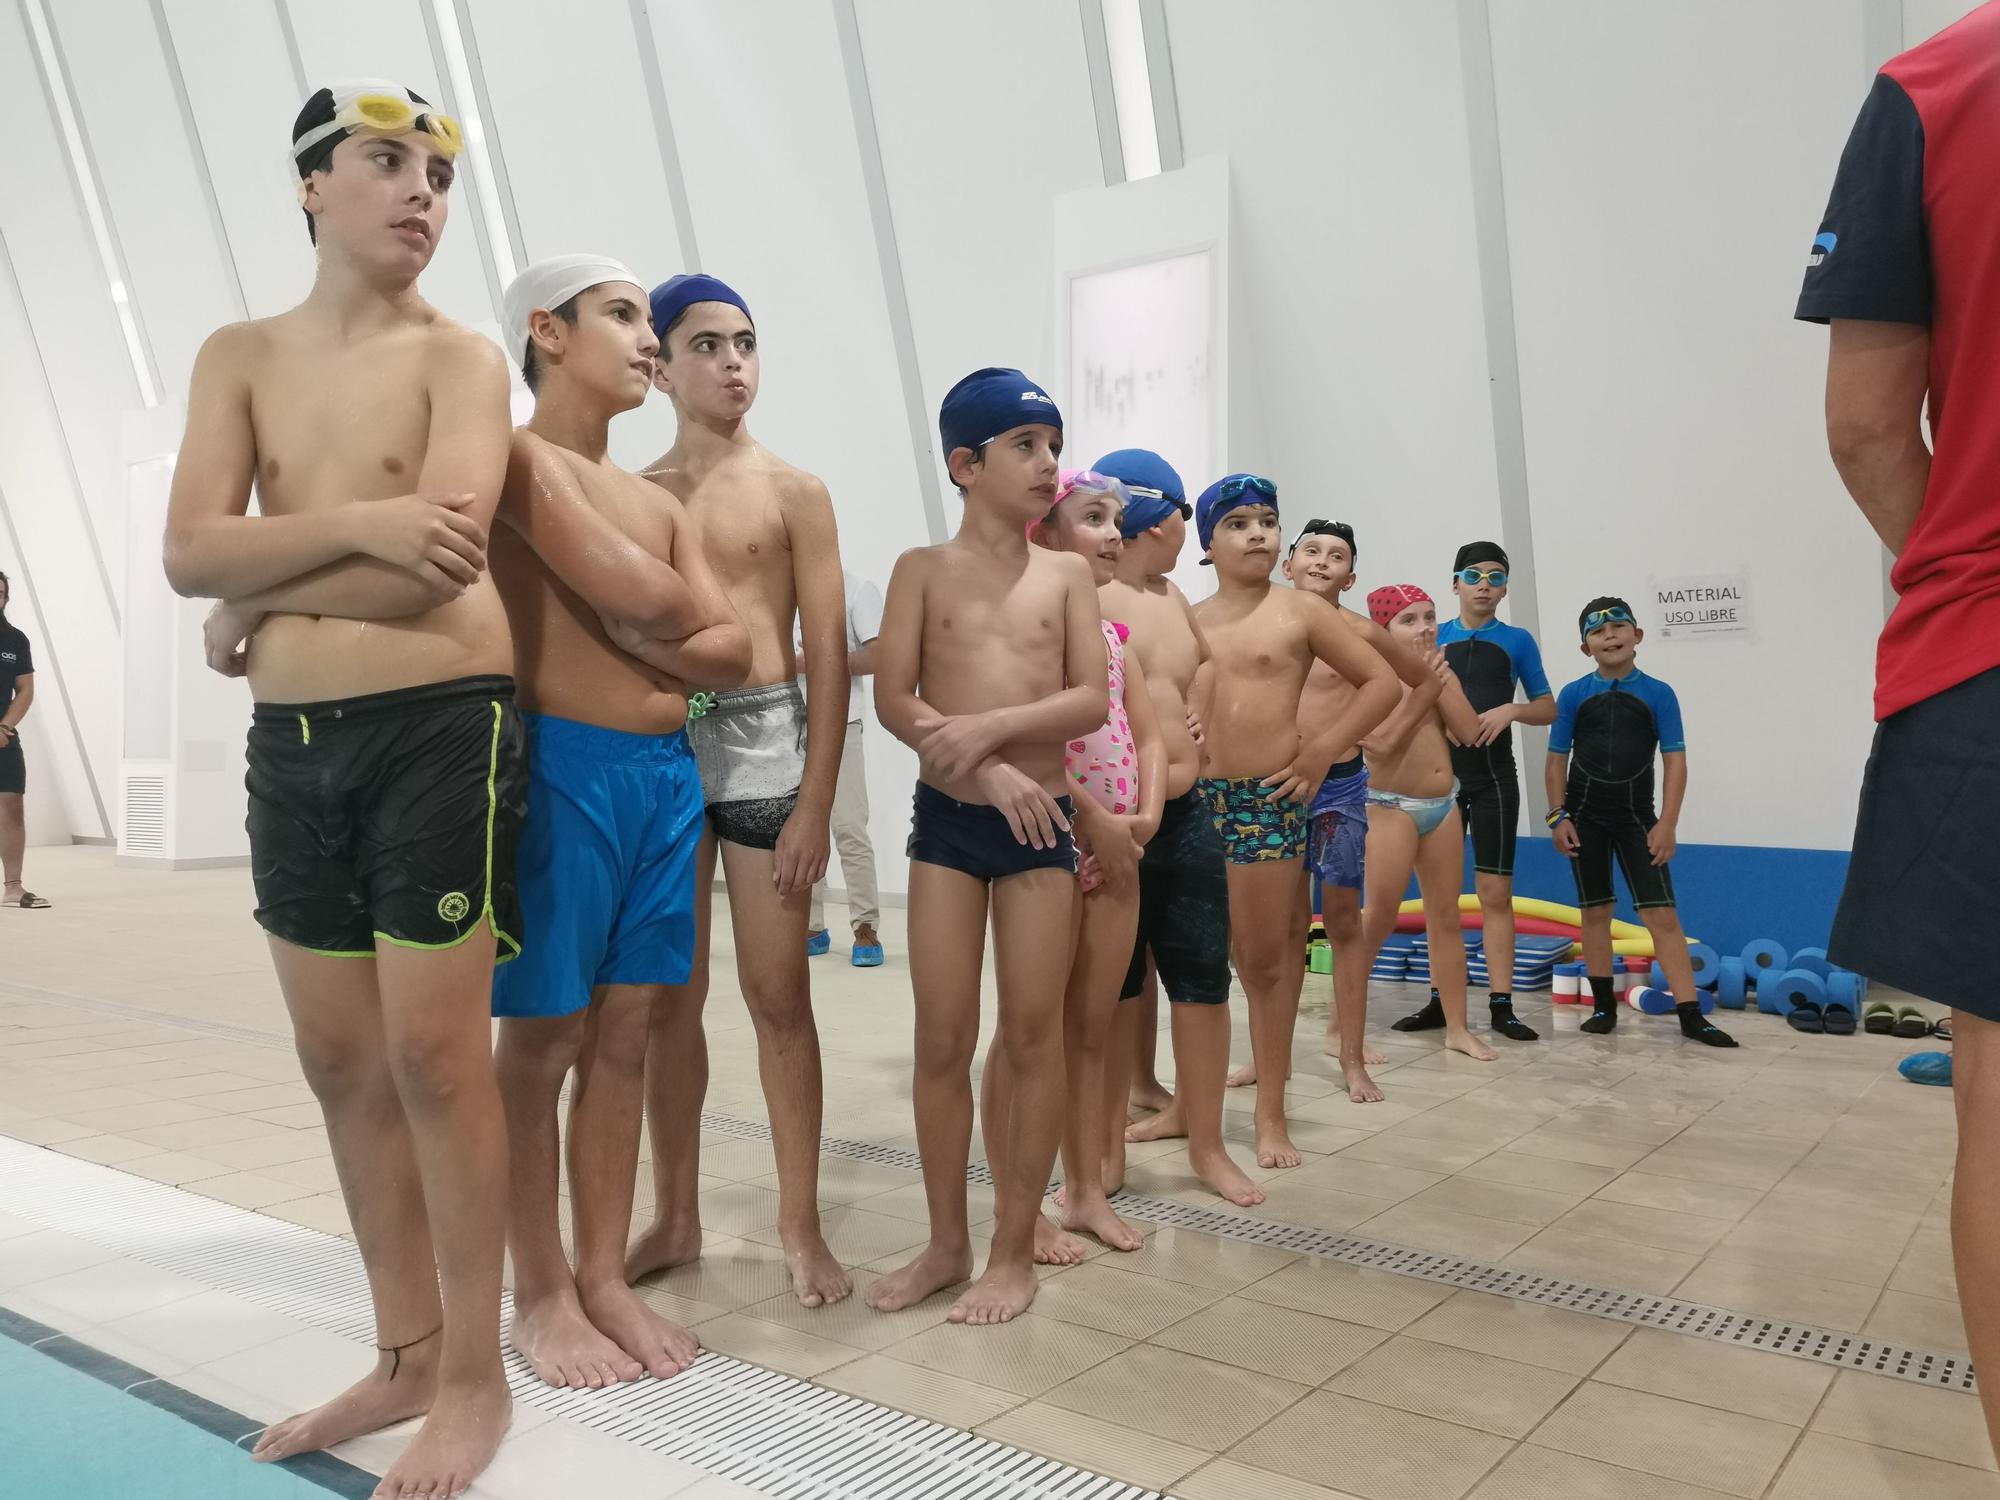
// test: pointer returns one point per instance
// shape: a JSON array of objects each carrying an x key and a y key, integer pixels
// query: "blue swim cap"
[
  {"x": 1231, "y": 492},
  {"x": 989, "y": 402},
  {"x": 677, "y": 294},
  {"x": 1157, "y": 491}
]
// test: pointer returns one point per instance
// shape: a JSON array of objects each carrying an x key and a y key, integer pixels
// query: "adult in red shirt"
[{"x": 1906, "y": 268}]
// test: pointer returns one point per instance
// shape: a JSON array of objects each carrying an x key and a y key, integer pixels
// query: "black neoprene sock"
[
  {"x": 1501, "y": 1004},
  {"x": 1429, "y": 1018},
  {"x": 1695, "y": 1028},
  {"x": 1604, "y": 999}
]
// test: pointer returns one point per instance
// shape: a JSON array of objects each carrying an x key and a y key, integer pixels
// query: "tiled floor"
[{"x": 1797, "y": 1177}]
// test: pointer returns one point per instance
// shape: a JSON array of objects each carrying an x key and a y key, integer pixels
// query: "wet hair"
[
  {"x": 319, "y": 110},
  {"x": 1602, "y": 601},
  {"x": 531, "y": 362}
]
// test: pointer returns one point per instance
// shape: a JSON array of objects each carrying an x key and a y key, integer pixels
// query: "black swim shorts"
[
  {"x": 1491, "y": 808},
  {"x": 1599, "y": 843},
  {"x": 976, "y": 840},
  {"x": 389, "y": 818},
  {"x": 13, "y": 768},
  {"x": 1184, "y": 907}
]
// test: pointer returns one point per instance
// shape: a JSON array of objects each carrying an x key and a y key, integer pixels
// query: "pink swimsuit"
[{"x": 1103, "y": 764}]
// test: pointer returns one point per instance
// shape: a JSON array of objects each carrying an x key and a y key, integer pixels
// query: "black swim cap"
[{"x": 1473, "y": 552}]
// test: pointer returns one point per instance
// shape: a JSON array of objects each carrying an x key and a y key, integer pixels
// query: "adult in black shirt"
[{"x": 17, "y": 695}]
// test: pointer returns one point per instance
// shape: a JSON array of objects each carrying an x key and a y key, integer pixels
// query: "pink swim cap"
[
  {"x": 1385, "y": 603},
  {"x": 1068, "y": 482}
]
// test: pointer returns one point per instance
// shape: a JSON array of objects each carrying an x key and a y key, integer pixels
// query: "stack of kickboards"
[{"x": 1406, "y": 958}]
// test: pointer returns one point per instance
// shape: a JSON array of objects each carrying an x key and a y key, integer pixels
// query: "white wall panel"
[
  {"x": 1662, "y": 190},
  {"x": 1359, "y": 353}
]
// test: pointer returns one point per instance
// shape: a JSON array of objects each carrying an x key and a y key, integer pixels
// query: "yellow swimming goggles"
[{"x": 385, "y": 114}]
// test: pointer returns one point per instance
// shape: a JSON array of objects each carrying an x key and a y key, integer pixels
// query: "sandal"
[
  {"x": 1911, "y": 1022},
  {"x": 1839, "y": 1019},
  {"x": 29, "y": 902},
  {"x": 1879, "y": 1018},
  {"x": 1805, "y": 1016},
  {"x": 1942, "y": 1029}
]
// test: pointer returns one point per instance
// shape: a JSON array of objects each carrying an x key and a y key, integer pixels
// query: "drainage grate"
[
  {"x": 1799, "y": 1340},
  {"x": 783, "y": 1436}
]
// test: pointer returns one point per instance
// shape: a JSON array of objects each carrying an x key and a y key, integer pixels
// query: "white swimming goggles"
[{"x": 385, "y": 114}]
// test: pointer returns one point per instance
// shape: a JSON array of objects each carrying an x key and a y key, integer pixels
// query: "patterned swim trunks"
[
  {"x": 1256, "y": 829},
  {"x": 1338, "y": 847}
]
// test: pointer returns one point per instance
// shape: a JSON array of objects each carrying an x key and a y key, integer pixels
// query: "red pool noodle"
[{"x": 1474, "y": 921}]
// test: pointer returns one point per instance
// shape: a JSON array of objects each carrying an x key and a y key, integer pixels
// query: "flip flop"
[
  {"x": 29, "y": 902},
  {"x": 1927, "y": 1067},
  {"x": 1879, "y": 1018},
  {"x": 1911, "y": 1022},
  {"x": 1839, "y": 1019},
  {"x": 1942, "y": 1029},
  {"x": 1805, "y": 1016}
]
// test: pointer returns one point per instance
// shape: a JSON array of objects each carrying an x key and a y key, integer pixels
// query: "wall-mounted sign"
[{"x": 1703, "y": 605}]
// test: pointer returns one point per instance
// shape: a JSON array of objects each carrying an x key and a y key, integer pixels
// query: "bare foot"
[
  {"x": 1470, "y": 1045},
  {"x": 1244, "y": 1076},
  {"x": 1097, "y": 1218},
  {"x": 375, "y": 1401},
  {"x": 1274, "y": 1146},
  {"x": 1114, "y": 1169},
  {"x": 1225, "y": 1178},
  {"x": 1054, "y": 1248},
  {"x": 1151, "y": 1095},
  {"x": 1001, "y": 1295},
  {"x": 1167, "y": 1125},
  {"x": 935, "y": 1268},
  {"x": 664, "y": 1348},
  {"x": 1371, "y": 1054},
  {"x": 817, "y": 1279},
  {"x": 565, "y": 1347},
  {"x": 661, "y": 1247},
  {"x": 1361, "y": 1089},
  {"x": 455, "y": 1443}
]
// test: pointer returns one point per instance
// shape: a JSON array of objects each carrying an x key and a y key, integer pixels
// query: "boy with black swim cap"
[
  {"x": 387, "y": 772},
  {"x": 1492, "y": 659},
  {"x": 1599, "y": 778}
]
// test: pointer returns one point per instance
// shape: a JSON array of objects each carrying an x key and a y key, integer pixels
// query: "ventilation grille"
[{"x": 143, "y": 804}]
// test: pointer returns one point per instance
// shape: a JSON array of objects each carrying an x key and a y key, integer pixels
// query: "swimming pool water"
[{"x": 68, "y": 1433}]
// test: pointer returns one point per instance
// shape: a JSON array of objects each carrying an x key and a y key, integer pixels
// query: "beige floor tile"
[
  {"x": 1289, "y": 1201},
  {"x": 1472, "y": 1193},
  {"x": 1399, "y": 1150},
  {"x": 1696, "y": 1445},
  {"x": 198, "y": 1135},
  {"x": 1597, "y": 1260},
  {"x": 855, "y": 1235},
  {"x": 326, "y": 1212},
  {"x": 1495, "y": 1395},
  {"x": 1271, "y": 1340},
  {"x": 246, "y": 1189},
  {"x": 130, "y": 1119},
  {"x": 1532, "y": 1473},
  {"x": 1352, "y": 1294},
  {"x": 1177, "y": 1396},
  {"x": 1371, "y": 1179},
  {"x": 1725, "y": 1163},
  {"x": 28, "y": 1258},
  {"x": 1423, "y": 1226},
  {"x": 909, "y": 1203},
  {"x": 269, "y": 1149},
  {"x": 1226, "y": 1479},
  {"x": 1575, "y": 1178},
  {"x": 1100, "y": 1295},
  {"x": 1945, "y": 1425},
  {"x": 1525, "y": 1332},
  {"x": 1660, "y": 1228},
  {"x": 175, "y": 1168},
  {"x": 1563, "y": 1142},
  {"x": 107, "y": 1150},
  {"x": 112, "y": 1290},
  {"x": 1070, "y": 1437},
  {"x": 739, "y": 1209},
  {"x": 1926, "y": 1322},
  {"x": 919, "y": 1391},
  {"x": 1375, "y": 1451},
  {"x": 1926, "y": 1268},
  {"x": 1751, "y": 1381},
  {"x": 774, "y": 1346},
  {"x": 731, "y": 1273},
  {"x": 1714, "y": 1200},
  {"x": 1203, "y": 1260},
  {"x": 1770, "y": 1291},
  {"x": 853, "y": 1321},
  {"x": 1831, "y": 1468},
  {"x": 1029, "y": 1356}
]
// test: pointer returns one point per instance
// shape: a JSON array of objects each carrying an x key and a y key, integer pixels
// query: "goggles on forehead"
[
  {"x": 1338, "y": 529},
  {"x": 1229, "y": 489},
  {"x": 385, "y": 114},
  {"x": 1597, "y": 619}
]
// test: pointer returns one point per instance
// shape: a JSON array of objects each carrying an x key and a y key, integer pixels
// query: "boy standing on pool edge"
[
  {"x": 1601, "y": 806},
  {"x": 1490, "y": 657}
]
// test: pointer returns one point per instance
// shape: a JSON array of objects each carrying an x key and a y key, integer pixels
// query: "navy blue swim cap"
[
  {"x": 989, "y": 402},
  {"x": 1157, "y": 491},
  {"x": 1231, "y": 492},
  {"x": 677, "y": 294}
]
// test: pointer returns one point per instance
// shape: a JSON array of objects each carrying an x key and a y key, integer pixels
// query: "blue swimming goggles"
[
  {"x": 1597, "y": 619},
  {"x": 1472, "y": 577}
]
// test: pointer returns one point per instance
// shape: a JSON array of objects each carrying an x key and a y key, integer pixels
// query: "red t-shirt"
[{"x": 1912, "y": 235}]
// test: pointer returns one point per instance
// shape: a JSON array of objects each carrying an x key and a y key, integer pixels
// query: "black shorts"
[
  {"x": 13, "y": 768},
  {"x": 391, "y": 817},
  {"x": 1184, "y": 907},
  {"x": 755, "y": 822},
  {"x": 1924, "y": 879},
  {"x": 1625, "y": 840},
  {"x": 1491, "y": 808},
  {"x": 975, "y": 839}
]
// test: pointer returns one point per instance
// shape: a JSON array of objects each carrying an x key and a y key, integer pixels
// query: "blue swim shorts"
[{"x": 1337, "y": 840}]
